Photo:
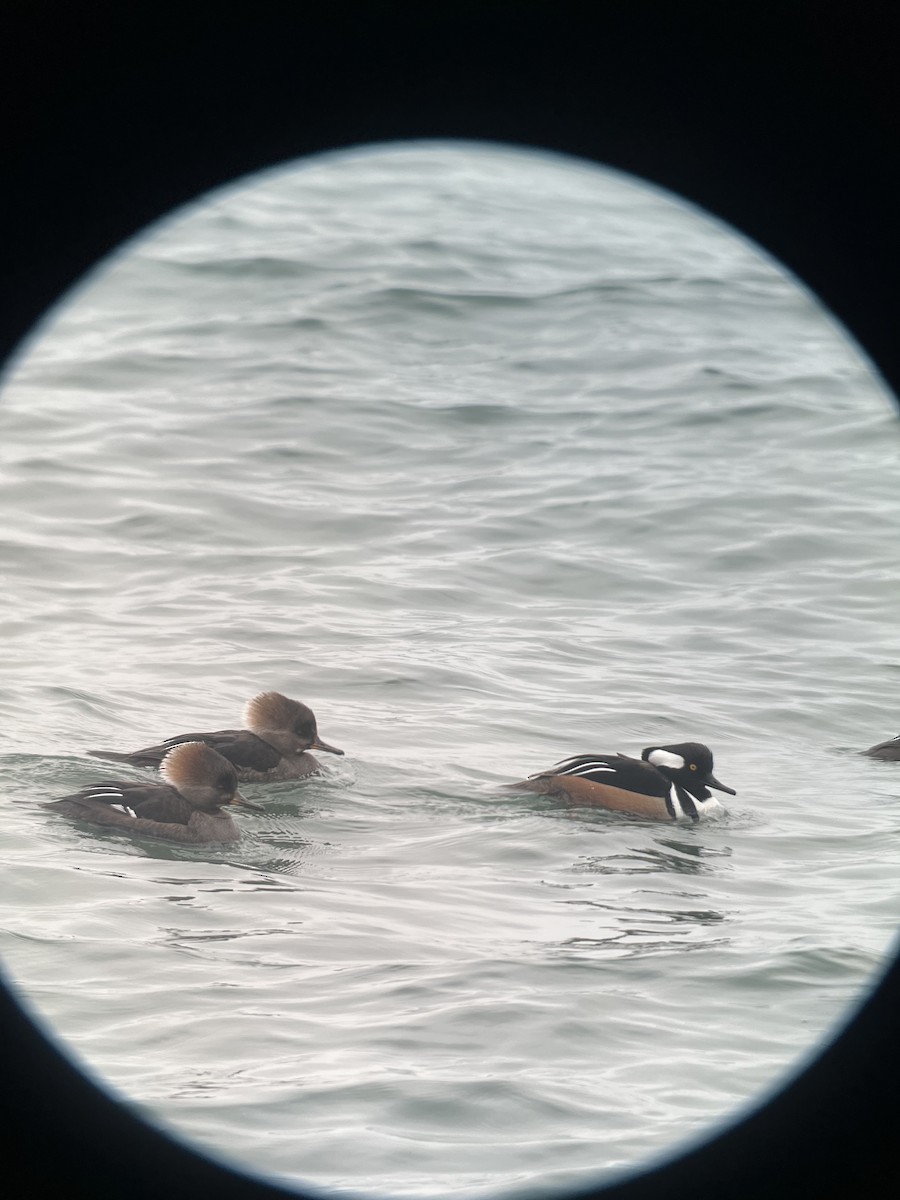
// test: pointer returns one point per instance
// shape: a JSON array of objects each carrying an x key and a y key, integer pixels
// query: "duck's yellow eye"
[{"x": 693, "y": 766}]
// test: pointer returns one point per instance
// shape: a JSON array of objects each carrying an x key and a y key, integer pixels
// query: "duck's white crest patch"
[{"x": 665, "y": 758}]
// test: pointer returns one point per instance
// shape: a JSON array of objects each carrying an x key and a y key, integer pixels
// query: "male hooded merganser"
[
  {"x": 666, "y": 782},
  {"x": 273, "y": 747},
  {"x": 887, "y": 750},
  {"x": 186, "y": 809}
]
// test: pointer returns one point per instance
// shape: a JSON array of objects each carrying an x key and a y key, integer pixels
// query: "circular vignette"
[{"x": 770, "y": 121}]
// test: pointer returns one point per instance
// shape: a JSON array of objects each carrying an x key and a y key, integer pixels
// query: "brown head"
[
  {"x": 286, "y": 724},
  {"x": 203, "y": 777}
]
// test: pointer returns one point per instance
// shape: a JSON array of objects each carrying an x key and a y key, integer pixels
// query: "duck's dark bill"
[
  {"x": 320, "y": 745},
  {"x": 244, "y": 803},
  {"x": 720, "y": 787}
]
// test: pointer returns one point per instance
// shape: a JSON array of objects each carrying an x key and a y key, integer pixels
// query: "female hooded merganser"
[
  {"x": 186, "y": 809},
  {"x": 666, "y": 782},
  {"x": 273, "y": 747},
  {"x": 887, "y": 750}
]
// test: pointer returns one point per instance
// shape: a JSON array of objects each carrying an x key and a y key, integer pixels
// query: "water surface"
[{"x": 491, "y": 458}]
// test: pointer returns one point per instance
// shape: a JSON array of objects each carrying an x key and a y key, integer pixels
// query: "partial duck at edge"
[{"x": 889, "y": 750}]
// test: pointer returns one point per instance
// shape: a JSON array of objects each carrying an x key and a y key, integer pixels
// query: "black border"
[{"x": 780, "y": 118}]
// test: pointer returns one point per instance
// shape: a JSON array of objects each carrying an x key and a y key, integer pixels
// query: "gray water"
[{"x": 491, "y": 458}]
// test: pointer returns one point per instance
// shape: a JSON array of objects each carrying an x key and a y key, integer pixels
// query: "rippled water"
[{"x": 491, "y": 458}]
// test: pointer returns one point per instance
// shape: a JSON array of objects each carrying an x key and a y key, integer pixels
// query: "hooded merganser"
[
  {"x": 666, "y": 782},
  {"x": 188, "y": 808},
  {"x": 273, "y": 747},
  {"x": 886, "y": 750}
]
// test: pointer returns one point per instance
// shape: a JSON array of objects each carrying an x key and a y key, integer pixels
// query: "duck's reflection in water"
[{"x": 658, "y": 916}]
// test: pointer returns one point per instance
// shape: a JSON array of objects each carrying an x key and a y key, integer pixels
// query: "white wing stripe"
[
  {"x": 123, "y": 808},
  {"x": 580, "y": 767}
]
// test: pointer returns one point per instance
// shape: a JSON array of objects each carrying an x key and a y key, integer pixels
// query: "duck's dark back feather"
[
  {"x": 618, "y": 770},
  {"x": 244, "y": 750},
  {"x": 154, "y": 802},
  {"x": 158, "y": 812}
]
